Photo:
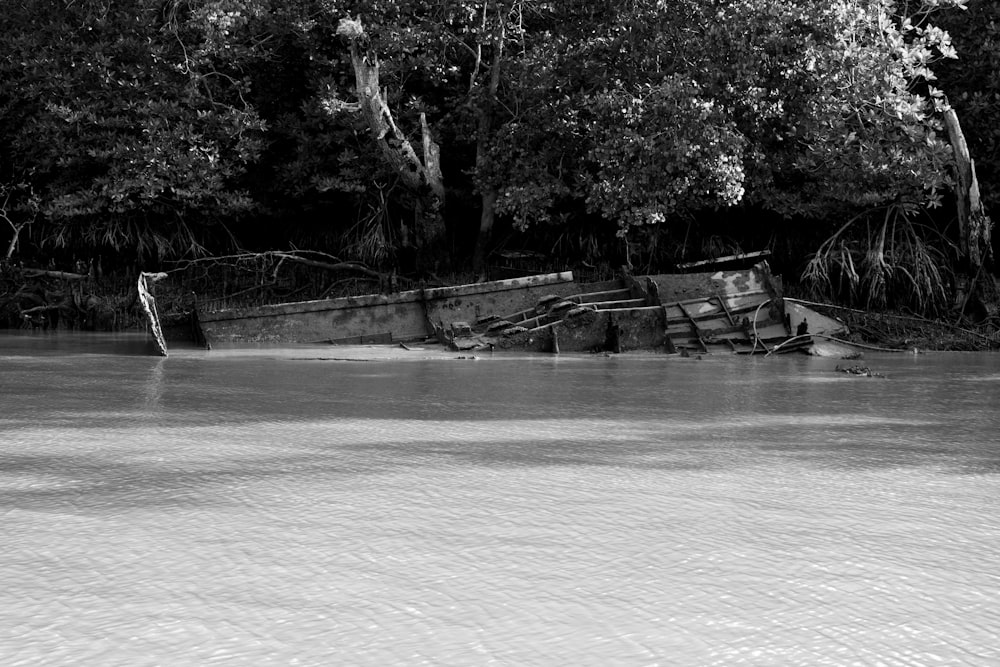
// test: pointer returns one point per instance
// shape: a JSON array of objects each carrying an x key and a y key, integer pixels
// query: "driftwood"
[
  {"x": 62, "y": 275},
  {"x": 298, "y": 256},
  {"x": 337, "y": 266},
  {"x": 41, "y": 309}
]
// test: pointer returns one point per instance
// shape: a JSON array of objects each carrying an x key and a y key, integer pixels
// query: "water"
[{"x": 265, "y": 507}]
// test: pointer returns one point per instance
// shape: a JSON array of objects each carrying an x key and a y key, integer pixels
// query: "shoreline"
[{"x": 14, "y": 343}]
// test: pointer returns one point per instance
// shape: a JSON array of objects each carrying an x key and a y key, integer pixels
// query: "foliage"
[
  {"x": 151, "y": 126},
  {"x": 664, "y": 151},
  {"x": 874, "y": 261},
  {"x": 805, "y": 108},
  {"x": 849, "y": 115},
  {"x": 973, "y": 85},
  {"x": 123, "y": 139}
]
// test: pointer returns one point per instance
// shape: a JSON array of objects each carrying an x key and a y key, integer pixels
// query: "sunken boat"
[{"x": 735, "y": 310}]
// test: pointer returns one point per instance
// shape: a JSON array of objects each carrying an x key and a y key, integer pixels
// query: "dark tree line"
[{"x": 421, "y": 136}]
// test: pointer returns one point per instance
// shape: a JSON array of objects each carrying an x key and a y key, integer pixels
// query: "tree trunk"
[
  {"x": 422, "y": 177},
  {"x": 486, "y": 218},
  {"x": 485, "y": 117},
  {"x": 974, "y": 226}
]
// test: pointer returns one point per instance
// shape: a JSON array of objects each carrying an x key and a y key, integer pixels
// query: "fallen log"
[
  {"x": 339, "y": 266},
  {"x": 63, "y": 275},
  {"x": 41, "y": 309}
]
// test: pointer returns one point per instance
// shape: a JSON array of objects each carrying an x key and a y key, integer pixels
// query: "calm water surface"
[{"x": 272, "y": 508}]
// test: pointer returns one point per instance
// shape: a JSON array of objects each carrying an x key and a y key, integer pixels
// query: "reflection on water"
[{"x": 264, "y": 508}]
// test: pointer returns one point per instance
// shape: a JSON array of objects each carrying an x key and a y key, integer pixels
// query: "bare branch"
[{"x": 419, "y": 176}]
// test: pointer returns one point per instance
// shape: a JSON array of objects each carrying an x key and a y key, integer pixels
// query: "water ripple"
[{"x": 257, "y": 512}]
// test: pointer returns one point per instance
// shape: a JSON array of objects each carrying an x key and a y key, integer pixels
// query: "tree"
[
  {"x": 121, "y": 138},
  {"x": 421, "y": 175},
  {"x": 805, "y": 106},
  {"x": 473, "y": 35},
  {"x": 973, "y": 85},
  {"x": 153, "y": 124}
]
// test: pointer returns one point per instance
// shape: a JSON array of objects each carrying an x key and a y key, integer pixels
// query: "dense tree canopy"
[
  {"x": 972, "y": 82},
  {"x": 166, "y": 127},
  {"x": 113, "y": 133}
]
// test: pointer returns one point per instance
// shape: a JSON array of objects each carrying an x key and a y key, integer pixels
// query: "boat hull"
[
  {"x": 735, "y": 311},
  {"x": 377, "y": 317}
]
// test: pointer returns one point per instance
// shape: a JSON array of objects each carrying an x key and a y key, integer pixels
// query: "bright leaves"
[
  {"x": 805, "y": 108},
  {"x": 663, "y": 152}
]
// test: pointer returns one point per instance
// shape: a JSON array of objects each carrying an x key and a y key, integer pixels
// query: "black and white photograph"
[{"x": 528, "y": 333}]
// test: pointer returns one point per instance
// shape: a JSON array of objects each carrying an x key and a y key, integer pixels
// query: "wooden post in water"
[{"x": 149, "y": 308}]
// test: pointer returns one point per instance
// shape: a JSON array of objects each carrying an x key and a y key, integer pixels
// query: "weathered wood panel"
[
  {"x": 688, "y": 286},
  {"x": 404, "y": 315}
]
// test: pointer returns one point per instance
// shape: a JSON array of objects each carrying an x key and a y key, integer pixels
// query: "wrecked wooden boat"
[
  {"x": 376, "y": 318},
  {"x": 740, "y": 311},
  {"x": 736, "y": 310}
]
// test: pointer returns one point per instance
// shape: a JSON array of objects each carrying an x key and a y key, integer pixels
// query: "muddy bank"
[{"x": 905, "y": 331}]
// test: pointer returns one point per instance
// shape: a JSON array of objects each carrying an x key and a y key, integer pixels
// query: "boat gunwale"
[{"x": 368, "y": 300}]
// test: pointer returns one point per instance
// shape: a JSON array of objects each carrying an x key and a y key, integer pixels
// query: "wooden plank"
[
  {"x": 722, "y": 302},
  {"x": 716, "y": 314},
  {"x": 367, "y": 300},
  {"x": 668, "y": 341},
  {"x": 734, "y": 295},
  {"x": 580, "y": 297},
  {"x": 694, "y": 327},
  {"x": 363, "y": 339},
  {"x": 760, "y": 254},
  {"x": 624, "y": 303},
  {"x": 529, "y": 314}
]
